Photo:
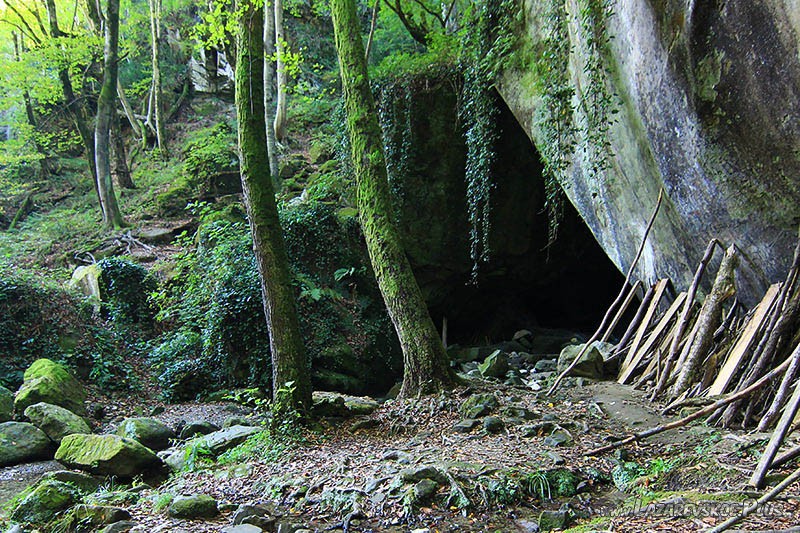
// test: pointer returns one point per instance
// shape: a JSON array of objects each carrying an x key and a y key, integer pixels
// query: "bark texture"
[
  {"x": 289, "y": 362},
  {"x": 425, "y": 362}
]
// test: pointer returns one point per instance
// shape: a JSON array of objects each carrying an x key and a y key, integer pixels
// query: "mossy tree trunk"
[
  {"x": 425, "y": 362},
  {"x": 289, "y": 362},
  {"x": 106, "y": 107}
]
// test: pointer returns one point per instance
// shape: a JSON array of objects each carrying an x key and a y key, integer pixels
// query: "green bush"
[{"x": 125, "y": 289}]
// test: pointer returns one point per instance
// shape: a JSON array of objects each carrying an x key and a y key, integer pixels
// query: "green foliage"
[
  {"x": 208, "y": 152},
  {"x": 125, "y": 289},
  {"x": 197, "y": 455}
]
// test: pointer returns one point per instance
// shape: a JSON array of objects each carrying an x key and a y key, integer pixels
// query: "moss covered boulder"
[
  {"x": 21, "y": 442},
  {"x": 147, "y": 431},
  {"x": 195, "y": 506},
  {"x": 110, "y": 455},
  {"x": 56, "y": 421},
  {"x": 49, "y": 382},
  {"x": 44, "y": 502},
  {"x": 6, "y": 404}
]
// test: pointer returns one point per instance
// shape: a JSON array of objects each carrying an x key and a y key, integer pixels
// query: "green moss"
[
  {"x": 708, "y": 74},
  {"x": 49, "y": 382},
  {"x": 44, "y": 502}
]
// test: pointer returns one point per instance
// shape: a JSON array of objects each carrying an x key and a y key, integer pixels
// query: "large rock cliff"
[{"x": 700, "y": 98}]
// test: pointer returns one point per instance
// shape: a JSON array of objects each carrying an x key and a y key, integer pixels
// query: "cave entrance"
[{"x": 526, "y": 284}]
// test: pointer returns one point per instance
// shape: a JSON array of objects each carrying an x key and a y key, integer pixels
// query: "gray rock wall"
[{"x": 709, "y": 109}]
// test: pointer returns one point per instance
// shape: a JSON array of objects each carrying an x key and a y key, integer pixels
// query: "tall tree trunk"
[
  {"x": 289, "y": 362},
  {"x": 75, "y": 108},
  {"x": 269, "y": 98},
  {"x": 112, "y": 217},
  {"x": 119, "y": 160},
  {"x": 424, "y": 358},
  {"x": 280, "y": 49},
  {"x": 158, "y": 107}
]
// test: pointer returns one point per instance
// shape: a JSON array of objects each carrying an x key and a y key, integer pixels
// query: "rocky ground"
[{"x": 495, "y": 454}]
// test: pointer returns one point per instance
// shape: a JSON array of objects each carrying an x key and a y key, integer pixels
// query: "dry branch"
[{"x": 775, "y": 442}]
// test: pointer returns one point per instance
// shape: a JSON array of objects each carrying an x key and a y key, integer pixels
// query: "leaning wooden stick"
[
  {"x": 615, "y": 304},
  {"x": 775, "y": 442},
  {"x": 697, "y": 414},
  {"x": 684, "y": 319},
  {"x": 794, "y": 476}
]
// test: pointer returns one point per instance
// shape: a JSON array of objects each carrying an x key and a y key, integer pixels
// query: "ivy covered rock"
[
  {"x": 110, "y": 455},
  {"x": 195, "y": 506},
  {"x": 45, "y": 501},
  {"x": 21, "y": 442},
  {"x": 56, "y": 421},
  {"x": 49, "y": 382},
  {"x": 6, "y": 404},
  {"x": 147, "y": 431}
]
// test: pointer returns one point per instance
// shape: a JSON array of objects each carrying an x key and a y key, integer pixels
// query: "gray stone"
[
  {"x": 486, "y": 401},
  {"x": 110, "y": 455},
  {"x": 557, "y": 459},
  {"x": 366, "y": 423},
  {"x": 100, "y": 515},
  {"x": 423, "y": 491},
  {"x": 559, "y": 437},
  {"x": 225, "y": 439},
  {"x": 242, "y": 528},
  {"x": 49, "y": 382},
  {"x": 83, "y": 482},
  {"x": 156, "y": 235},
  {"x": 6, "y": 404},
  {"x": 21, "y": 442},
  {"x": 466, "y": 425},
  {"x": 258, "y": 515},
  {"x": 515, "y": 411},
  {"x": 545, "y": 365},
  {"x": 412, "y": 475},
  {"x": 44, "y": 502},
  {"x": 56, "y": 421},
  {"x": 550, "y": 520},
  {"x": 493, "y": 424},
  {"x": 235, "y": 421},
  {"x": 590, "y": 364},
  {"x": 194, "y": 506},
  {"x": 197, "y": 427},
  {"x": 119, "y": 527},
  {"x": 495, "y": 365},
  {"x": 149, "y": 432}
]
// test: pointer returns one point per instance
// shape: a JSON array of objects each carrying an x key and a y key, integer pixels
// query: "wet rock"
[
  {"x": 466, "y": 425},
  {"x": 591, "y": 363},
  {"x": 56, "y": 421},
  {"x": 495, "y": 365},
  {"x": 493, "y": 424},
  {"x": 194, "y": 506},
  {"x": 50, "y": 382},
  {"x": 21, "y": 442},
  {"x": 83, "y": 482},
  {"x": 197, "y": 427},
  {"x": 412, "y": 475},
  {"x": 6, "y": 404},
  {"x": 149, "y": 432},
  {"x": 45, "y": 501},
  {"x": 550, "y": 520},
  {"x": 106, "y": 455},
  {"x": 119, "y": 527}
]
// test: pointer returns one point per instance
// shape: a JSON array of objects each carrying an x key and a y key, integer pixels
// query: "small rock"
[
  {"x": 99, "y": 515},
  {"x": 412, "y": 475},
  {"x": 550, "y": 520},
  {"x": 488, "y": 401},
  {"x": 478, "y": 411},
  {"x": 546, "y": 365},
  {"x": 368, "y": 423},
  {"x": 257, "y": 515},
  {"x": 235, "y": 421},
  {"x": 225, "y": 439},
  {"x": 21, "y": 442},
  {"x": 56, "y": 421},
  {"x": 495, "y": 365},
  {"x": 493, "y": 424},
  {"x": 559, "y": 437},
  {"x": 96, "y": 410},
  {"x": 195, "y": 506},
  {"x": 591, "y": 363},
  {"x": 514, "y": 411},
  {"x": 423, "y": 491},
  {"x": 156, "y": 236},
  {"x": 466, "y": 425},
  {"x": 557, "y": 459},
  {"x": 197, "y": 427},
  {"x": 242, "y": 528},
  {"x": 157, "y": 410},
  {"x": 119, "y": 527},
  {"x": 149, "y": 432}
]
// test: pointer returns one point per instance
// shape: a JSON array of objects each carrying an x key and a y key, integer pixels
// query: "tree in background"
[
  {"x": 106, "y": 108},
  {"x": 156, "y": 105},
  {"x": 289, "y": 362},
  {"x": 269, "y": 99},
  {"x": 424, "y": 359},
  {"x": 280, "y": 67}
]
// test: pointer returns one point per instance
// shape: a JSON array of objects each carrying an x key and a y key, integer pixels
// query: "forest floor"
[{"x": 361, "y": 473}]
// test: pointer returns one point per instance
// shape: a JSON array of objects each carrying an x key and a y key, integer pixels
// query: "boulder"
[
  {"x": 195, "y": 506},
  {"x": 493, "y": 424},
  {"x": 119, "y": 527},
  {"x": 197, "y": 427},
  {"x": 49, "y": 382},
  {"x": 149, "y": 432},
  {"x": 495, "y": 365},
  {"x": 21, "y": 442},
  {"x": 6, "y": 404},
  {"x": 479, "y": 405},
  {"x": 106, "y": 455},
  {"x": 590, "y": 364},
  {"x": 56, "y": 421},
  {"x": 83, "y": 482},
  {"x": 98, "y": 516},
  {"x": 44, "y": 502},
  {"x": 225, "y": 439}
]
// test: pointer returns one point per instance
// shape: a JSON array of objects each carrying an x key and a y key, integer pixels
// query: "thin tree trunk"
[
  {"x": 372, "y": 25},
  {"x": 269, "y": 97},
  {"x": 119, "y": 167},
  {"x": 158, "y": 108},
  {"x": 136, "y": 125},
  {"x": 112, "y": 217},
  {"x": 289, "y": 362},
  {"x": 425, "y": 361},
  {"x": 280, "y": 45},
  {"x": 708, "y": 320}
]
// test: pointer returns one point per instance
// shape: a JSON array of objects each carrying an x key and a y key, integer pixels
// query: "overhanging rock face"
[{"x": 708, "y": 100}]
